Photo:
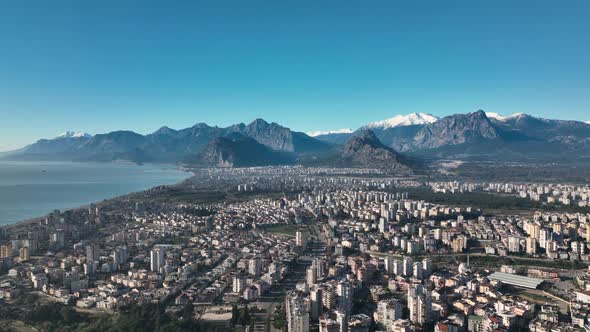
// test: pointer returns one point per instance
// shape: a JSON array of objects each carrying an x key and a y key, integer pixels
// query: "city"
[{"x": 324, "y": 256}]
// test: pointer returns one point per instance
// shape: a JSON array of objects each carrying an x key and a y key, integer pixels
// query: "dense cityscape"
[{"x": 311, "y": 249}]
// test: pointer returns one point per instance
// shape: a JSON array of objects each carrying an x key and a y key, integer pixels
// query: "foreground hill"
[{"x": 365, "y": 150}]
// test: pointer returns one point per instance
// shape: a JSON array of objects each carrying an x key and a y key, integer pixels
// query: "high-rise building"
[
  {"x": 385, "y": 215},
  {"x": 315, "y": 298},
  {"x": 407, "y": 267},
  {"x": 578, "y": 247},
  {"x": 342, "y": 320},
  {"x": 388, "y": 262},
  {"x": 6, "y": 251},
  {"x": 157, "y": 259},
  {"x": 419, "y": 305},
  {"x": 23, "y": 254},
  {"x": 417, "y": 271},
  {"x": 534, "y": 230},
  {"x": 239, "y": 283},
  {"x": 382, "y": 225},
  {"x": 429, "y": 244},
  {"x": 320, "y": 266},
  {"x": 254, "y": 267},
  {"x": 297, "y": 314},
  {"x": 311, "y": 276},
  {"x": 514, "y": 244},
  {"x": 57, "y": 239},
  {"x": 344, "y": 292},
  {"x": 427, "y": 266},
  {"x": 329, "y": 297},
  {"x": 398, "y": 267},
  {"x": 388, "y": 311},
  {"x": 531, "y": 246},
  {"x": 119, "y": 257},
  {"x": 545, "y": 234},
  {"x": 459, "y": 244},
  {"x": 90, "y": 268},
  {"x": 300, "y": 239},
  {"x": 92, "y": 252}
]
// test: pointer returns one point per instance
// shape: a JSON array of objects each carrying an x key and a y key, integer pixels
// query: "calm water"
[{"x": 32, "y": 189}]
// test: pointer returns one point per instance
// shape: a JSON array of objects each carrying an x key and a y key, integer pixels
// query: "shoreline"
[{"x": 35, "y": 220}]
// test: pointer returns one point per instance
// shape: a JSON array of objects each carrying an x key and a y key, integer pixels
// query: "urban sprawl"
[{"x": 309, "y": 249}]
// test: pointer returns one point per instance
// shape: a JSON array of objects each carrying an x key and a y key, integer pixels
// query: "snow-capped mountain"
[
  {"x": 330, "y": 132},
  {"x": 73, "y": 134},
  {"x": 499, "y": 117},
  {"x": 588, "y": 122},
  {"x": 404, "y": 120},
  {"x": 518, "y": 137}
]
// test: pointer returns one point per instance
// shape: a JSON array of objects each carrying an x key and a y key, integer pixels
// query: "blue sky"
[{"x": 309, "y": 65}]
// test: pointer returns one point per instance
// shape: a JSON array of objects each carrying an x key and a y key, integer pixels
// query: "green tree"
[
  {"x": 188, "y": 311},
  {"x": 235, "y": 314},
  {"x": 244, "y": 316}
]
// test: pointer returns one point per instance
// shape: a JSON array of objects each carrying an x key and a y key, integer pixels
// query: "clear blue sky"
[{"x": 309, "y": 65}]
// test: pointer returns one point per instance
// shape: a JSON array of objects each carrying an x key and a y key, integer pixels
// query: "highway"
[{"x": 275, "y": 297}]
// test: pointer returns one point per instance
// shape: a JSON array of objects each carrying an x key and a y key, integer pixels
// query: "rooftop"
[{"x": 516, "y": 280}]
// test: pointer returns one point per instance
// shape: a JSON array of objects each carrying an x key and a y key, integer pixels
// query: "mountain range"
[
  {"x": 480, "y": 135},
  {"x": 384, "y": 144},
  {"x": 168, "y": 145}
]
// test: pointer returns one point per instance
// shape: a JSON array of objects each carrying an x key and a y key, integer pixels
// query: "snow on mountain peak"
[
  {"x": 499, "y": 117},
  {"x": 328, "y": 132},
  {"x": 73, "y": 134},
  {"x": 404, "y": 120}
]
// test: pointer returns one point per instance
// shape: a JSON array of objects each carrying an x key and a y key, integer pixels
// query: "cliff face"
[
  {"x": 454, "y": 130},
  {"x": 237, "y": 150},
  {"x": 365, "y": 150}
]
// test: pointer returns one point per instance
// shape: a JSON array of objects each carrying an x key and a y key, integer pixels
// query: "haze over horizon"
[{"x": 142, "y": 65}]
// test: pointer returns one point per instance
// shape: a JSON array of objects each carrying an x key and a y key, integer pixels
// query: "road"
[{"x": 275, "y": 297}]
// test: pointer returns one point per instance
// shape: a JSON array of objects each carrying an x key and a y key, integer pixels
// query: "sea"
[{"x": 33, "y": 189}]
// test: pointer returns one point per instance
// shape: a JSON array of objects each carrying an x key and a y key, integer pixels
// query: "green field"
[{"x": 288, "y": 230}]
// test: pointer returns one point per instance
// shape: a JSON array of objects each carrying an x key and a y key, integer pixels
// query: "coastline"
[{"x": 40, "y": 218}]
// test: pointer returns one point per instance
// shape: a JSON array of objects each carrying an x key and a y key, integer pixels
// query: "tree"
[
  {"x": 188, "y": 311},
  {"x": 235, "y": 313},
  {"x": 244, "y": 316}
]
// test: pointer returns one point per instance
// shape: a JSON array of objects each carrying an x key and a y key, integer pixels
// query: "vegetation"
[
  {"x": 280, "y": 319},
  {"x": 144, "y": 318},
  {"x": 537, "y": 298},
  {"x": 148, "y": 318},
  {"x": 288, "y": 230},
  {"x": 574, "y": 171},
  {"x": 241, "y": 316},
  {"x": 487, "y": 201}
]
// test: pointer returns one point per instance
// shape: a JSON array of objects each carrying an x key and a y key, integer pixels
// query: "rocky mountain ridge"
[{"x": 475, "y": 135}]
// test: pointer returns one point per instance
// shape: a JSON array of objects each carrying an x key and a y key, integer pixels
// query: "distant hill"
[
  {"x": 169, "y": 145},
  {"x": 477, "y": 135},
  {"x": 481, "y": 135}
]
